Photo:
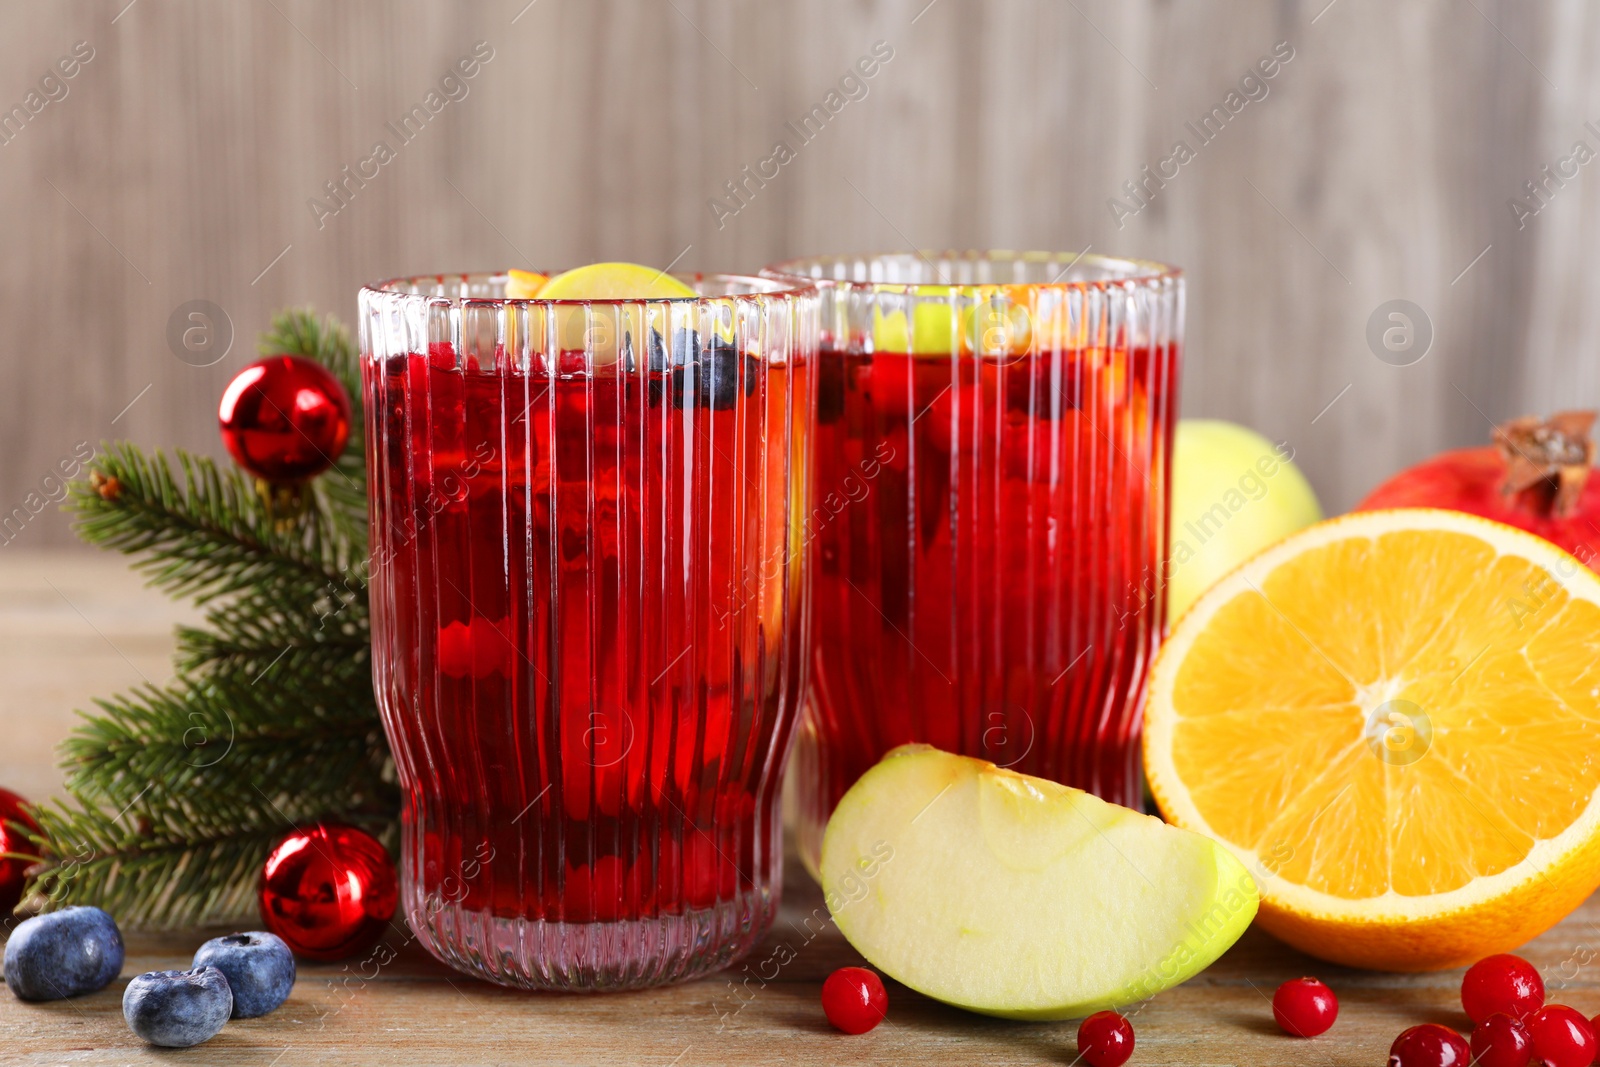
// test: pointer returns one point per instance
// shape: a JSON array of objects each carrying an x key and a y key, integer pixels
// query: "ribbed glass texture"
[
  {"x": 994, "y": 435},
  {"x": 589, "y": 616}
]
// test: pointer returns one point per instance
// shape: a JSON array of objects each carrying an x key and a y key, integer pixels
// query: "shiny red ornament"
[
  {"x": 285, "y": 419},
  {"x": 13, "y": 872},
  {"x": 329, "y": 891},
  {"x": 1534, "y": 477}
]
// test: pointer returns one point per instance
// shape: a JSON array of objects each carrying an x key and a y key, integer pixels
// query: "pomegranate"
[{"x": 1535, "y": 477}]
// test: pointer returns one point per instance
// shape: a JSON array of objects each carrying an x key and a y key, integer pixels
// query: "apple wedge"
[{"x": 1014, "y": 896}]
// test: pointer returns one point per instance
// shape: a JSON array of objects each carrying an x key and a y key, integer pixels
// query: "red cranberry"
[
  {"x": 1504, "y": 983},
  {"x": 1304, "y": 1007},
  {"x": 1562, "y": 1037},
  {"x": 854, "y": 999},
  {"x": 1105, "y": 1039},
  {"x": 1501, "y": 1041},
  {"x": 1429, "y": 1045}
]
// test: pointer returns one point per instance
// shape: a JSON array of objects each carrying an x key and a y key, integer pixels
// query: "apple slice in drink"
[{"x": 1014, "y": 896}]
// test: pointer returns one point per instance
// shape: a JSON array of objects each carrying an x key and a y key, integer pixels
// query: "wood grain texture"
[
  {"x": 399, "y": 1006},
  {"x": 181, "y": 161},
  {"x": 73, "y": 626}
]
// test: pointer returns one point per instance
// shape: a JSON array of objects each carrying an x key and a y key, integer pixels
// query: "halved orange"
[{"x": 1393, "y": 719}]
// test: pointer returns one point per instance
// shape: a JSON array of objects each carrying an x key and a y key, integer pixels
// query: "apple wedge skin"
[{"x": 1012, "y": 896}]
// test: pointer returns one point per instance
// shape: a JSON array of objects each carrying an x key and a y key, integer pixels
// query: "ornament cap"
[{"x": 285, "y": 502}]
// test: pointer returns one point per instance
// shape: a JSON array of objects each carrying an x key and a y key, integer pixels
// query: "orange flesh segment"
[{"x": 1272, "y": 701}]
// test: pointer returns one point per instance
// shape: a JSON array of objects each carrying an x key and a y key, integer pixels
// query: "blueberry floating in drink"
[{"x": 710, "y": 372}]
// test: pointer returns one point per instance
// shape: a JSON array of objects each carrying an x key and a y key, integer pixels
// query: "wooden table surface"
[{"x": 75, "y": 625}]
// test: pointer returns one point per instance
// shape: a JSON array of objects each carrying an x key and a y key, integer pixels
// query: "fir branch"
[
  {"x": 300, "y": 735},
  {"x": 264, "y": 658},
  {"x": 178, "y": 792},
  {"x": 160, "y": 882},
  {"x": 163, "y": 884},
  {"x": 205, "y": 536},
  {"x": 250, "y": 632},
  {"x": 201, "y": 783},
  {"x": 342, "y": 498}
]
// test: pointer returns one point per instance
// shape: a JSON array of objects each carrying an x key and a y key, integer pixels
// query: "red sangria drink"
[
  {"x": 589, "y": 611},
  {"x": 989, "y": 523}
]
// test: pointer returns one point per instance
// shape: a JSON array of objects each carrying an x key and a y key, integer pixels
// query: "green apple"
[
  {"x": 1233, "y": 494},
  {"x": 1011, "y": 895},
  {"x": 932, "y": 330},
  {"x": 981, "y": 319}
]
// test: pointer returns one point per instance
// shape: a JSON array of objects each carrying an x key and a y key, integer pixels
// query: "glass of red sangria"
[
  {"x": 989, "y": 521},
  {"x": 589, "y": 608}
]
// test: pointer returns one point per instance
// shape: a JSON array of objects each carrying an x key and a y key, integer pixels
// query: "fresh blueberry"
[
  {"x": 685, "y": 348},
  {"x": 720, "y": 365},
  {"x": 63, "y": 954},
  {"x": 176, "y": 1009},
  {"x": 707, "y": 373},
  {"x": 685, "y": 362},
  {"x": 259, "y": 968},
  {"x": 833, "y": 371}
]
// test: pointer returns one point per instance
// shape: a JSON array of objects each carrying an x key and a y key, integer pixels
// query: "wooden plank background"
[{"x": 180, "y": 162}]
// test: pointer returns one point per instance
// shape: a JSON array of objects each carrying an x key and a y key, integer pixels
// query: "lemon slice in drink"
[
  {"x": 600, "y": 328},
  {"x": 614, "y": 281}
]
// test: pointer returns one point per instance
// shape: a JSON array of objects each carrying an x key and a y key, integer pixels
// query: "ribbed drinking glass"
[
  {"x": 589, "y": 610},
  {"x": 989, "y": 527}
]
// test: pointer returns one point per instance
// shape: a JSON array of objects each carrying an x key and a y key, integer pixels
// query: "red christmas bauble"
[
  {"x": 329, "y": 891},
  {"x": 285, "y": 418},
  {"x": 13, "y": 872}
]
